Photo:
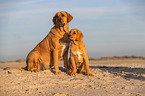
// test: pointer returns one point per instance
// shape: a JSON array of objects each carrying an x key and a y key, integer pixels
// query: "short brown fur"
[
  {"x": 78, "y": 61},
  {"x": 51, "y": 49}
]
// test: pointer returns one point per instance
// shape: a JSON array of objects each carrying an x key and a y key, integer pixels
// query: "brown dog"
[
  {"x": 78, "y": 61},
  {"x": 51, "y": 49}
]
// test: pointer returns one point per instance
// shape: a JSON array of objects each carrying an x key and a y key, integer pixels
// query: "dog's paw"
[
  {"x": 73, "y": 74},
  {"x": 90, "y": 74},
  {"x": 57, "y": 72}
]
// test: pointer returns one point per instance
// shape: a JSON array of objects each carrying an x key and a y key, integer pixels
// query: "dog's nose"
[
  {"x": 59, "y": 19},
  {"x": 68, "y": 35}
]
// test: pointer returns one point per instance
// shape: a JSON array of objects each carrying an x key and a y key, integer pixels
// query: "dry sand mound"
[{"x": 111, "y": 78}]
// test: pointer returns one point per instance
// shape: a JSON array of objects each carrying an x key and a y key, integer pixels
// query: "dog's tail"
[{"x": 22, "y": 69}]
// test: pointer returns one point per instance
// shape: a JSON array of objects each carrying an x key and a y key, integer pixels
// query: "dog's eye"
[
  {"x": 74, "y": 33},
  {"x": 63, "y": 15}
]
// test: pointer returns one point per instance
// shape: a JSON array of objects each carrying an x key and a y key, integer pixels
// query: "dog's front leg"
[
  {"x": 74, "y": 70},
  {"x": 55, "y": 44},
  {"x": 55, "y": 57},
  {"x": 65, "y": 59}
]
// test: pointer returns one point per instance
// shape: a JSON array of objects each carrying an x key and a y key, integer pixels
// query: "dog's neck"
[
  {"x": 59, "y": 32},
  {"x": 76, "y": 45},
  {"x": 65, "y": 28}
]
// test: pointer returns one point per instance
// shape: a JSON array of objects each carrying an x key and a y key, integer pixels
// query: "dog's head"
[
  {"x": 61, "y": 18},
  {"x": 75, "y": 35}
]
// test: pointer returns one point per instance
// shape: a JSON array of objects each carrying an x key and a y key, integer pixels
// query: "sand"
[{"x": 125, "y": 77}]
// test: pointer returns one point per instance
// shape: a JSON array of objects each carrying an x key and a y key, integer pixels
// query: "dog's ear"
[
  {"x": 54, "y": 19},
  {"x": 79, "y": 35},
  {"x": 69, "y": 17}
]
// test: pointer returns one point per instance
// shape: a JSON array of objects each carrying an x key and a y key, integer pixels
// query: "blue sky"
[{"x": 110, "y": 27}]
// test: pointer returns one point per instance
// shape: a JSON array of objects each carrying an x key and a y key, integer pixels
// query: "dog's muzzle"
[
  {"x": 69, "y": 37},
  {"x": 60, "y": 22}
]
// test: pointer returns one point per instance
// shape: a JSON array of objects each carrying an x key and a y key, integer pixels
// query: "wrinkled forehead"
[
  {"x": 61, "y": 13},
  {"x": 74, "y": 30}
]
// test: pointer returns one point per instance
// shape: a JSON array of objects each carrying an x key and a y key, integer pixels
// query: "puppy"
[{"x": 78, "y": 61}]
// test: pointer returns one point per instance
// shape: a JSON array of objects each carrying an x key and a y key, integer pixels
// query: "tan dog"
[
  {"x": 51, "y": 49},
  {"x": 78, "y": 61}
]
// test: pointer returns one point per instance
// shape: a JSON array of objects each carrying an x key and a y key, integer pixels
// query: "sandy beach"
[{"x": 119, "y": 77}]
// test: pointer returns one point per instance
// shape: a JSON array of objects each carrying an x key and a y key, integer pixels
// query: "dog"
[
  {"x": 52, "y": 48},
  {"x": 78, "y": 61}
]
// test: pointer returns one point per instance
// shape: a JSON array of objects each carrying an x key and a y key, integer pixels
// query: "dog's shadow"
[
  {"x": 125, "y": 72},
  {"x": 60, "y": 68}
]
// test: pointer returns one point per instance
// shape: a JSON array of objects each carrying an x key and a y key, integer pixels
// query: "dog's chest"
[
  {"x": 77, "y": 53},
  {"x": 64, "y": 47},
  {"x": 78, "y": 56}
]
